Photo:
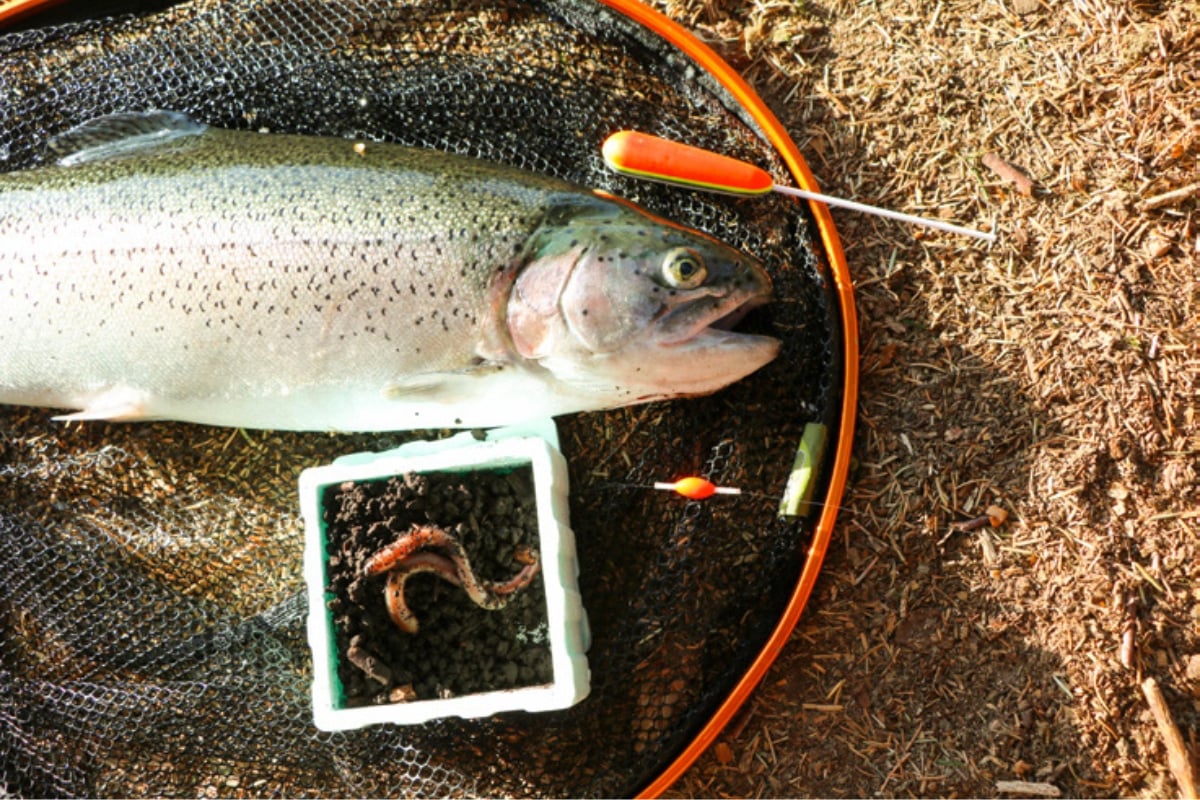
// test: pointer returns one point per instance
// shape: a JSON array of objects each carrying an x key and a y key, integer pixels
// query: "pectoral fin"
[
  {"x": 441, "y": 387},
  {"x": 118, "y": 405}
]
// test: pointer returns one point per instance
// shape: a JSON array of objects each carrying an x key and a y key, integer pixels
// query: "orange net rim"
[
  {"x": 12, "y": 10},
  {"x": 777, "y": 136}
]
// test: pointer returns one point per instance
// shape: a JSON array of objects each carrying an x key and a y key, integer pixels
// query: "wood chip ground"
[{"x": 1054, "y": 374}]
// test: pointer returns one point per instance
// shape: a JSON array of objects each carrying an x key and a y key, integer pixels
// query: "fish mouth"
[
  {"x": 710, "y": 321},
  {"x": 727, "y": 322},
  {"x": 699, "y": 351}
]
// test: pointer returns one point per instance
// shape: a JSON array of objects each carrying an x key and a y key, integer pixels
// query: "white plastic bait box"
[{"x": 565, "y": 634}]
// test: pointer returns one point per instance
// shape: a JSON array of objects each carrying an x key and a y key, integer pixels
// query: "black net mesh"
[{"x": 151, "y": 598}]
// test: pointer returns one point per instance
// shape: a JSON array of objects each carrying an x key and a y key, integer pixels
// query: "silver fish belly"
[{"x": 167, "y": 270}]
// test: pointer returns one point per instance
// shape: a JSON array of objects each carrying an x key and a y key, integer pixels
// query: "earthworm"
[
  {"x": 393, "y": 593},
  {"x": 405, "y": 558},
  {"x": 418, "y": 537}
]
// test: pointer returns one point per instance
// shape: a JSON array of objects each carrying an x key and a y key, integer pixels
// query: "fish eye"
[{"x": 683, "y": 268}]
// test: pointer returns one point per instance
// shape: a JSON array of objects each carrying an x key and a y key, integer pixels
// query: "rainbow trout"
[{"x": 162, "y": 269}]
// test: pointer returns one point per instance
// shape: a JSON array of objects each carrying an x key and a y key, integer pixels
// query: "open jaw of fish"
[{"x": 167, "y": 270}]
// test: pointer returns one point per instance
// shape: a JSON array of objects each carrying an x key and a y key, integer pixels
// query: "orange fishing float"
[
  {"x": 646, "y": 156},
  {"x": 656, "y": 159},
  {"x": 695, "y": 488}
]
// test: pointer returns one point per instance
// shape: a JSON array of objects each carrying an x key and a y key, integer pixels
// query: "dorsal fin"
[{"x": 121, "y": 134}]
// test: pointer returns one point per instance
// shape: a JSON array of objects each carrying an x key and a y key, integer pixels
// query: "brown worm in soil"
[
  {"x": 419, "y": 536},
  {"x": 406, "y": 557}
]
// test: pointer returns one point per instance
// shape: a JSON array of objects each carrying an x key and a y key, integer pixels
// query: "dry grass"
[{"x": 1054, "y": 374}]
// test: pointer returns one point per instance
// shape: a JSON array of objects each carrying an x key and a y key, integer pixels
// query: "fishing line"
[{"x": 696, "y": 488}]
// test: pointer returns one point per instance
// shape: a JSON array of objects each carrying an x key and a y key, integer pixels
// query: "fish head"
[{"x": 622, "y": 303}]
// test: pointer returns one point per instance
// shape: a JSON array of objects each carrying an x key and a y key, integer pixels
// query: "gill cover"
[{"x": 597, "y": 272}]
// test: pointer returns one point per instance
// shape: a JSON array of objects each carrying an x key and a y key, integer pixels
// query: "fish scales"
[{"x": 276, "y": 281}]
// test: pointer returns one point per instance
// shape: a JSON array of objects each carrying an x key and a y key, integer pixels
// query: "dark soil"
[{"x": 460, "y": 647}]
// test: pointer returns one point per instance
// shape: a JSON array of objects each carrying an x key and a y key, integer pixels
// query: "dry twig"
[
  {"x": 1171, "y": 197},
  {"x": 1028, "y": 788},
  {"x": 1177, "y": 754}
]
